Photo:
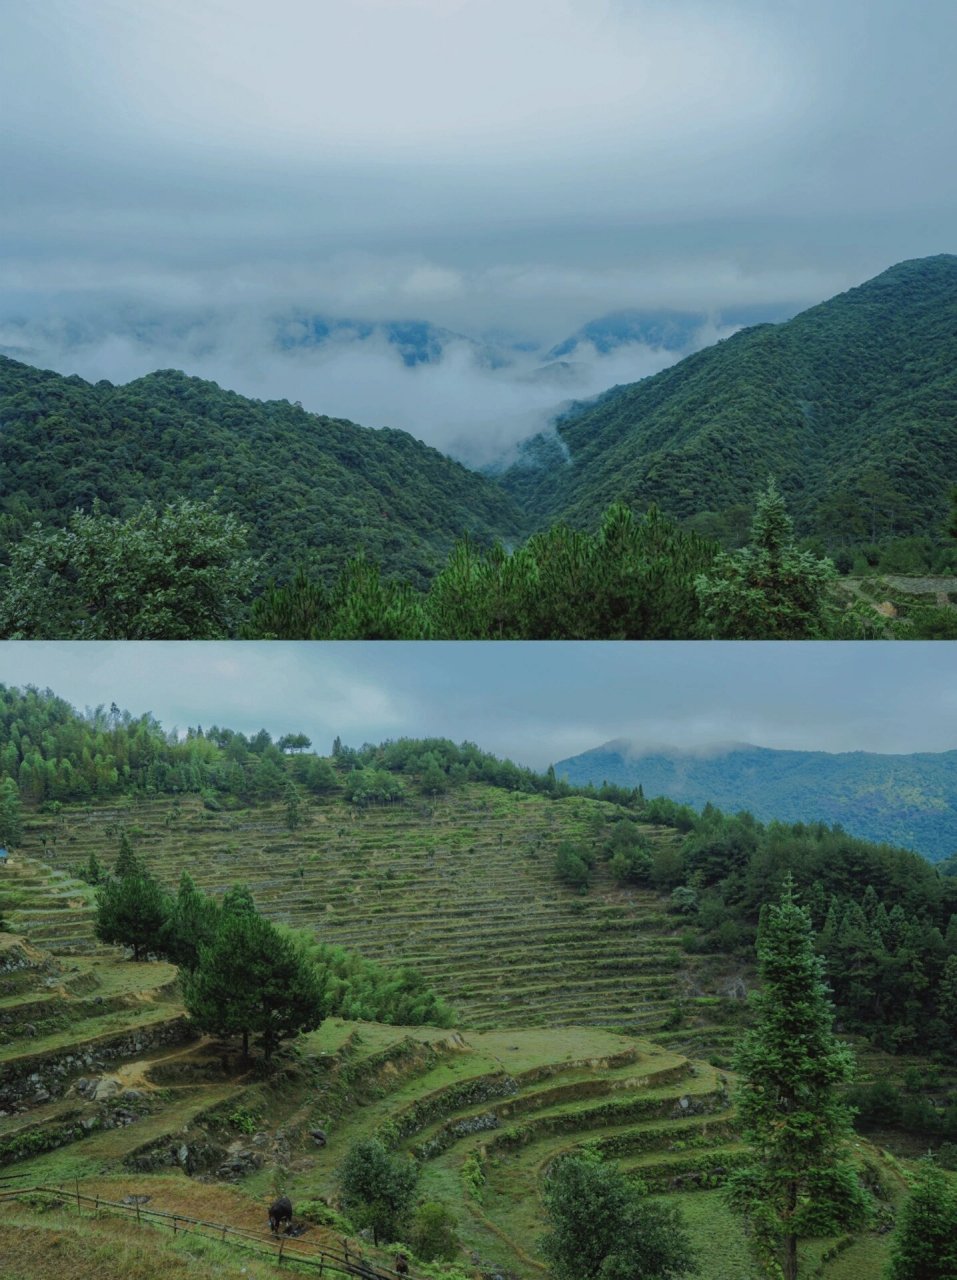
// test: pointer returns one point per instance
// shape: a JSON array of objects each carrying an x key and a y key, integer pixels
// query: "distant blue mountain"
[
  {"x": 417, "y": 341},
  {"x": 906, "y": 800},
  {"x": 668, "y": 330}
]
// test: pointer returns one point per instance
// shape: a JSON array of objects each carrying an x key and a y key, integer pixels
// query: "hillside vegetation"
[
  {"x": 906, "y": 800},
  {"x": 157, "y": 490},
  {"x": 850, "y": 406},
  {"x": 123, "y": 1105},
  {"x": 311, "y": 490}
]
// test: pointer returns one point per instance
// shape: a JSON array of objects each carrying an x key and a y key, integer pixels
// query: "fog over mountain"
[
  {"x": 475, "y": 398},
  {"x": 183, "y": 181}
]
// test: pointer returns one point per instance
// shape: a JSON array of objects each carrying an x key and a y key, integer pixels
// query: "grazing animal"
[
  {"x": 279, "y": 1212},
  {"x": 401, "y": 1264}
]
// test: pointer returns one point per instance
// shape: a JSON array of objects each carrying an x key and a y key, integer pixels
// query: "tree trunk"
[
  {"x": 790, "y": 1240},
  {"x": 245, "y": 1045},
  {"x": 790, "y": 1258}
]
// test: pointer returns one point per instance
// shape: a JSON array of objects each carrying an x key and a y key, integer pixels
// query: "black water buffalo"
[{"x": 279, "y": 1212}]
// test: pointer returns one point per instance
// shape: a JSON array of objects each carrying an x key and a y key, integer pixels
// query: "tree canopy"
[
  {"x": 601, "y": 1226},
  {"x": 180, "y": 572},
  {"x": 252, "y": 980},
  {"x": 377, "y": 1188}
]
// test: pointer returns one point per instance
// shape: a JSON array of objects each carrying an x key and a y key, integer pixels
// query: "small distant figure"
[
  {"x": 401, "y": 1264},
  {"x": 318, "y": 1136},
  {"x": 279, "y": 1212}
]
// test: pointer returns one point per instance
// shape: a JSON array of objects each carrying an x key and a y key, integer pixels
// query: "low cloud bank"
[{"x": 471, "y": 400}]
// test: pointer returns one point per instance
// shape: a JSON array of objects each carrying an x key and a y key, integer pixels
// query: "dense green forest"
[
  {"x": 310, "y": 489},
  {"x": 183, "y": 572},
  {"x": 850, "y": 405},
  {"x": 633, "y": 579}
]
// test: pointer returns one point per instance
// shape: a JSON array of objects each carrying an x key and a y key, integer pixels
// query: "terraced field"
[
  {"x": 462, "y": 888},
  {"x": 103, "y": 1084}
]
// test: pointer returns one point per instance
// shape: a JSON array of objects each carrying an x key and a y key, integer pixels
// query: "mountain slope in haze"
[
  {"x": 681, "y": 331},
  {"x": 311, "y": 488},
  {"x": 416, "y": 341},
  {"x": 851, "y": 405},
  {"x": 906, "y": 800}
]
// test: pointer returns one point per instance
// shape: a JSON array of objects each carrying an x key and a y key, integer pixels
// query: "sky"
[
  {"x": 181, "y": 179},
  {"x": 533, "y": 703}
]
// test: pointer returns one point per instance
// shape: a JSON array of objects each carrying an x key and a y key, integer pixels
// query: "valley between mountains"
[{"x": 850, "y": 409}]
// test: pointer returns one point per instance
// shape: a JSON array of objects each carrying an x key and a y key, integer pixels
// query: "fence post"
[
  {"x": 174, "y": 1224},
  {"x": 137, "y": 1212},
  {"x": 76, "y": 1187},
  {"x": 282, "y": 1241}
]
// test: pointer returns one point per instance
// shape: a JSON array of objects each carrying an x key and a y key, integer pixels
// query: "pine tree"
[
  {"x": 191, "y": 924},
  {"x": 791, "y": 1065},
  {"x": 768, "y": 590},
  {"x": 925, "y": 1242},
  {"x": 131, "y": 907},
  {"x": 252, "y": 980},
  {"x": 293, "y": 802},
  {"x": 94, "y": 872}
]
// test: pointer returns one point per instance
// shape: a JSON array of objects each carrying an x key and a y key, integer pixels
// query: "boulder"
[{"x": 105, "y": 1087}]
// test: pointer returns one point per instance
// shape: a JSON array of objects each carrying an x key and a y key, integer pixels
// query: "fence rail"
[{"x": 281, "y": 1249}]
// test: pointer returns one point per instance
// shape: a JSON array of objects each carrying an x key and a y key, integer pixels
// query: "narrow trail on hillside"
[{"x": 134, "y": 1075}]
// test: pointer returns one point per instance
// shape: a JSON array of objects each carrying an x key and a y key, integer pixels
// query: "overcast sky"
[
  {"x": 535, "y": 703},
  {"x": 176, "y": 175}
]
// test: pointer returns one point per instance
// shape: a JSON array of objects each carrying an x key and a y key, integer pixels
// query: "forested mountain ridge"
[
  {"x": 851, "y": 405},
  {"x": 312, "y": 489},
  {"x": 907, "y": 800}
]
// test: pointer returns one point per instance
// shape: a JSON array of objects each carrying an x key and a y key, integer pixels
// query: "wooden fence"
[{"x": 281, "y": 1249}]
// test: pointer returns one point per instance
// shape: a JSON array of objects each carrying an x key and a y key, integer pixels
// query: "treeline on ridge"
[{"x": 50, "y": 753}]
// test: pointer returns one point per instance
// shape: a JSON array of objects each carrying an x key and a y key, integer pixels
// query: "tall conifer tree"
[
  {"x": 131, "y": 907},
  {"x": 800, "y": 1184}
]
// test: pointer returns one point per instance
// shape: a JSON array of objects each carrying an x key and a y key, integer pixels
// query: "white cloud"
[{"x": 458, "y": 404}]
